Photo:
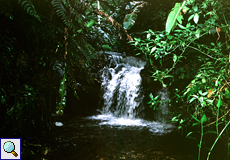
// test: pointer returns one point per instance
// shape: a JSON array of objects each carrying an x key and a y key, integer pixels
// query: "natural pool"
[{"x": 97, "y": 138}]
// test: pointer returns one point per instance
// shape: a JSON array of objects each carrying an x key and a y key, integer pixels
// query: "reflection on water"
[
  {"x": 155, "y": 127},
  {"x": 90, "y": 138}
]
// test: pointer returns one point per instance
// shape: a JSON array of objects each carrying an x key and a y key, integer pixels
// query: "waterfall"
[
  {"x": 122, "y": 95},
  {"x": 121, "y": 84}
]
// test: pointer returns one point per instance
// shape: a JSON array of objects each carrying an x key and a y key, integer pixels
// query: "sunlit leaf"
[
  {"x": 91, "y": 23},
  {"x": 174, "y": 119},
  {"x": 196, "y": 18},
  {"x": 191, "y": 17},
  {"x": 181, "y": 26},
  {"x": 152, "y": 50},
  {"x": 174, "y": 58},
  {"x": 174, "y": 17},
  {"x": 192, "y": 99},
  {"x": 197, "y": 33},
  {"x": 203, "y": 80},
  {"x": 189, "y": 134}
]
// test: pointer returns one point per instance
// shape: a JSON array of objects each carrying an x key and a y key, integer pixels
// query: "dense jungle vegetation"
[{"x": 48, "y": 46}]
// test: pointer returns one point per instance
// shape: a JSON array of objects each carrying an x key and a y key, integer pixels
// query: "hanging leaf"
[
  {"x": 174, "y": 17},
  {"x": 174, "y": 58},
  {"x": 129, "y": 21},
  {"x": 219, "y": 103}
]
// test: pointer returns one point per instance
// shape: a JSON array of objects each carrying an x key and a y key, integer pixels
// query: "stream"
[{"x": 120, "y": 129}]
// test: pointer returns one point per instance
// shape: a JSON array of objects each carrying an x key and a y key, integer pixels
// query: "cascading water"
[
  {"x": 164, "y": 112},
  {"x": 121, "y": 86},
  {"x": 122, "y": 94}
]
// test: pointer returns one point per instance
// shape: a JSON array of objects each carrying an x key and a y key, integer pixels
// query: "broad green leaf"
[
  {"x": 219, "y": 103},
  {"x": 174, "y": 17},
  {"x": 196, "y": 18},
  {"x": 91, "y": 23},
  {"x": 203, "y": 119}
]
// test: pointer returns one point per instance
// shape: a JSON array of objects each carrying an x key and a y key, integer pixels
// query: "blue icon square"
[{"x": 10, "y": 148}]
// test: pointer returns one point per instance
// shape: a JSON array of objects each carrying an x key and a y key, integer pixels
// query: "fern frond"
[
  {"x": 60, "y": 10},
  {"x": 29, "y": 7}
]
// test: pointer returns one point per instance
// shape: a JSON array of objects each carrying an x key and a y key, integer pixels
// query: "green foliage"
[
  {"x": 193, "y": 61},
  {"x": 154, "y": 101}
]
